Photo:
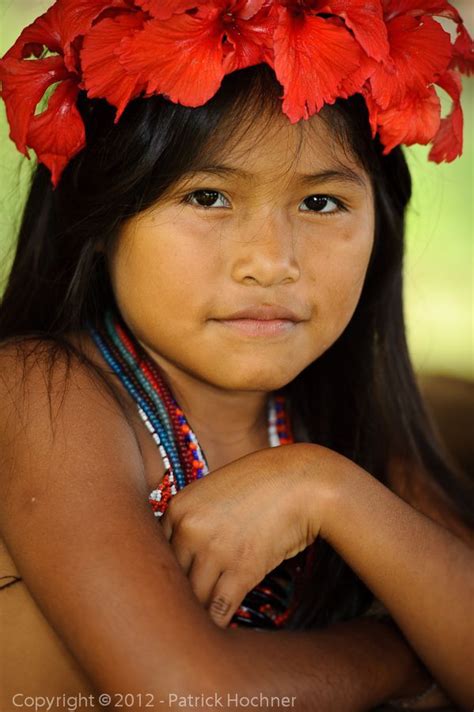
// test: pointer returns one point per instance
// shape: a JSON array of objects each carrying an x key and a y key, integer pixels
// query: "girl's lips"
[{"x": 259, "y": 327}]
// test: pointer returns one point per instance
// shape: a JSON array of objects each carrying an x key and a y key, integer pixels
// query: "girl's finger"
[
  {"x": 226, "y": 597},
  {"x": 203, "y": 576}
]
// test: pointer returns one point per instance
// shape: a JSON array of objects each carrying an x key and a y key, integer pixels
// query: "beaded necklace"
[{"x": 270, "y": 603}]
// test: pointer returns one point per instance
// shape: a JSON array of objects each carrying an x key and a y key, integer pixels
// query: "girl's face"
[{"x": 271, "y": 223}]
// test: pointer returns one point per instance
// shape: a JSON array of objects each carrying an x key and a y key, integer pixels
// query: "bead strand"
[
  {"x": 123, "y": 344},
  {"x": 167, "y": 433},
  {"x": 140, "y": 400},
  {"x": 166, "y": 404}
]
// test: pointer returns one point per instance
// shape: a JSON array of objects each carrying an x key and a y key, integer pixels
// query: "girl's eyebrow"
[
  {"x": 342, "y": 174},
  {"x": 337, "y": 174}
]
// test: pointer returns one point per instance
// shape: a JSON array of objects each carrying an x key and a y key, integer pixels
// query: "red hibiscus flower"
[
  {"x": 463, "y": 51},
  {"x": 401, "y": 99},
  {"x": 218, "y": 37},
  {"x": 325, "y": 50},
  {"x": 420, "y": 51},
  {"x": 392, "y": 51},
  {"x": 58, "y": 134}
]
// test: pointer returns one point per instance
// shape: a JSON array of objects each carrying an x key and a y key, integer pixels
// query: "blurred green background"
[{"x": 439, "y": 263}]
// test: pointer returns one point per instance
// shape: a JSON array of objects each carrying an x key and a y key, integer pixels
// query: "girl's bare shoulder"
[{"x": 53, "y": 399}]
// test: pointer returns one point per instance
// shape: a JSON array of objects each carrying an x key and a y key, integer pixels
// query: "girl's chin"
[{"x": 252, "y": 379}]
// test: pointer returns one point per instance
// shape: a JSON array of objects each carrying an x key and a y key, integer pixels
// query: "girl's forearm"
[
  {"x": 351, "y": 666},
  {"x": 421, "y": 572}
]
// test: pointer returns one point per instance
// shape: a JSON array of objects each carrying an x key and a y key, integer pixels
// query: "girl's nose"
[{"x": 266, "y": 254}]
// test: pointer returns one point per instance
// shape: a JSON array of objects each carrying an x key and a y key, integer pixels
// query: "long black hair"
[{"x": 359, "y": 398}]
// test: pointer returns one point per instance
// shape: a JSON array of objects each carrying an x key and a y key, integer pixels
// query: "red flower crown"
[{"x": 393, "y": 52}]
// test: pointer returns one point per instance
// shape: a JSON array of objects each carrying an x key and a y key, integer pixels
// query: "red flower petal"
[
  {"x": 448, "y": 142},
  {"x": 355, "y": 82},
  {"x": 164, "y": 9},
  {"x": 420, "y": 50},
  {"x": 463, "y": 52},
  {"x": 415, "y": 120},
  {"x": 441, "y": 8},
  {"x": 152, "y": 54},
  {"x": 103, "y": 75},
  {"x": 248, "y": 26},
  {"x": 23, "y": 86},
  {"x": 373, "y": 110},
  {"x": 365, "y": 19},
  {"x": 59, "y": 27},
  {"x": 312, "y": 58},
  {"x": 58, "y": 133},
  {"x": 463, "y": 49},
  {"x": 246, "y": 9}
]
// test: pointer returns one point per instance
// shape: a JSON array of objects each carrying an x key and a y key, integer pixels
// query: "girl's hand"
[{"x": 232, "y": 527}]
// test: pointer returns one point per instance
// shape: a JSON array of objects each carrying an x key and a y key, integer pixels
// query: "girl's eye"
[
  {"x": 323, "y": 204},
  {"x": 320, "y": 204},
  {"x": 206, "y": 199}
]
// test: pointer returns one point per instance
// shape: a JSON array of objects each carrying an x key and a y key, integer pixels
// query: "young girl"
[{"x": 198, "y": 280}]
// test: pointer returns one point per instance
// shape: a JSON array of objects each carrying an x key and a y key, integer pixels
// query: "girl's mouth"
[{"x": 259, "y": 327}]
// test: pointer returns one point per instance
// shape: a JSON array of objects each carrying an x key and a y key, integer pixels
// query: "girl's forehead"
[{"x": 273, "y": 148}]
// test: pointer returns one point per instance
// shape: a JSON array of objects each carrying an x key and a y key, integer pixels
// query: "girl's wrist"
[{"x": 323, "y": 485}]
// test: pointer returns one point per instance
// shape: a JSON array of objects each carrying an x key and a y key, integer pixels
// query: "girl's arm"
[
  {"x": 75, "y": 517},
  {"x": 421, "y": 572}
]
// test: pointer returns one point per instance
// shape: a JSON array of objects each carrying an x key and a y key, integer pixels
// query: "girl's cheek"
[{"x": 339, "y": 289}]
